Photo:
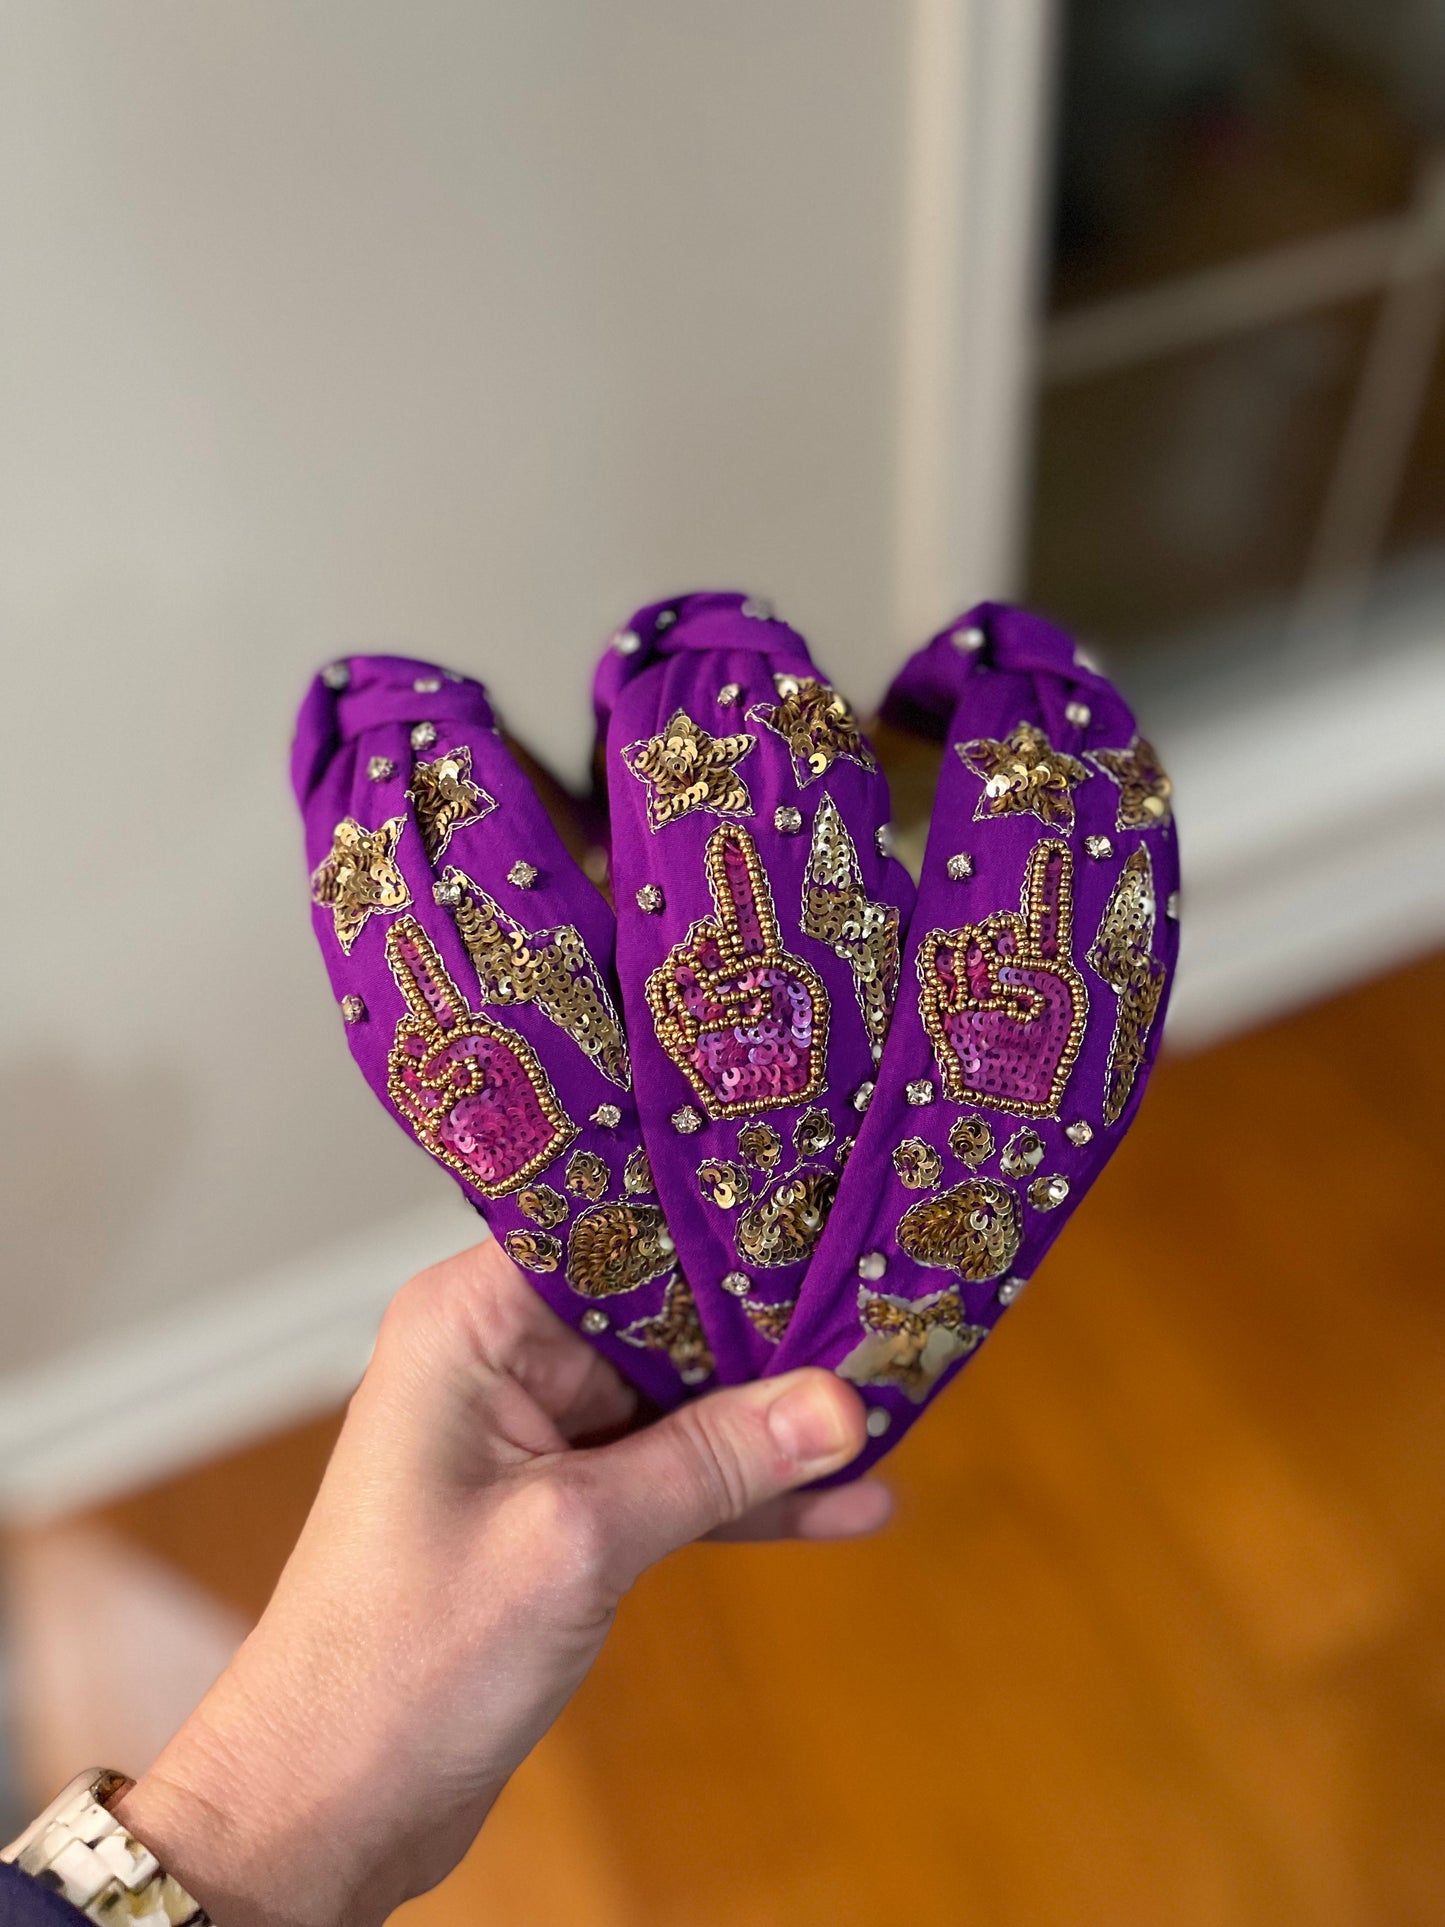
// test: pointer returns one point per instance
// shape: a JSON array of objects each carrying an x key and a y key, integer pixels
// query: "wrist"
[{"x": 254, "y": 1845}]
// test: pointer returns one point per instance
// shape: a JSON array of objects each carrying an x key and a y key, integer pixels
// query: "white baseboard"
[
  {"x": 1314, "y": 854},
  {"x": 1312, "y": 826},
  {"x": 286, "y": 1346}
]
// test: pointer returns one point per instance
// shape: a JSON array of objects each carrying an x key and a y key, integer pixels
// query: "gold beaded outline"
[
  {"x": 1026, "y": 924},
  {"x": 678, "y": 1032},
  {"x": 424, "y": 1022}
]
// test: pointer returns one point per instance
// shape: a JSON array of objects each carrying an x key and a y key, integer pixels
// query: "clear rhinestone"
[
  {"x": 877, "y": 1421},
  {"x": 758, "y": 607},
  {"x": 627, "y": 642},
  {"x": 1171, "y": 906},
  {"x": 523, "y": 874},
  {"x": 1079, "y": 714},
  {"x": 686, "y": 1120},
  {"x": 427, "y": 685},
  {"x": 737, "y": 1283},
  {"x": 1045, "y": 1194},
  {"x": 960, "y": 867},
  {"x": 729, "y": 694},
  {"x": 862, "y": 1097},
  {"x": 787, "y": 819},
  {"x": 694, "y": 1374},
  {"x": 609, "y": 1116},
  {"x": 664, "y": 620},
  {"x": 1080, "y": 1133},
  {"x": 353, "y": 1009},
  {"x": 883, "y": 839},
  {"x": 872, "y": 1265},
  {"x": 1010, "y": 1289},
  {"x": 595, "y": 1321},
  {"x": 969, "y": 639},
  {"x": 423, "y": 736},
  {"x": 650, "y": 899},
  {"x": 336, "y": 675},
  {"x": 1098, "y": 846},
  {"x": 786, "y": 686},
  {"x": 380, "y": 769},
  {"x": 920, "y": 1091},
  {"x": 448, "y": 894},
  {"x": 1085, "y": 660}
]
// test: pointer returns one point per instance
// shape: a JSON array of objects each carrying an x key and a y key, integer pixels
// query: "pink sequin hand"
[
  {"x": 1001, "y": 1000},
  {"x": 744, "y": 1021},
  {"x": 473, "y": 1092}
]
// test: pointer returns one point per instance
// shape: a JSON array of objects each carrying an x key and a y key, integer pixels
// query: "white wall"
[{"x": 460, "y": 327}]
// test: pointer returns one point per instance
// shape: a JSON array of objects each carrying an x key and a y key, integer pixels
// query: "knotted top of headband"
[{"x": 779, "y": 1109}]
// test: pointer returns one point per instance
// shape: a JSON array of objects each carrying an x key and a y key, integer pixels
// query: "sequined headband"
[{"x": 780, "y": 1109}]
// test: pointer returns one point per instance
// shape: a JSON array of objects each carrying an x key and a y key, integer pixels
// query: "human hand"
[
  {"x": 458, "y": 1573},
  {"x": 1003, "y": 1004},
  {"x": 743, "y": 1020}
]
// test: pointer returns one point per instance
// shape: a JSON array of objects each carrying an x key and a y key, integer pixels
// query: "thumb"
[{"x": 711, "y": 1462}]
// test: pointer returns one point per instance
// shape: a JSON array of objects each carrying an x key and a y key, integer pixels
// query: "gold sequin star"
[
  {"x": 686, "y": 769},
  {"x": 676, "y": 1330},
  {"x": 1145, "y": 792},
  {"x": 770, "y": 1319},
  {"x": 360, "y": 877},
  {"x": 910, "y": 1342},
  {"x": 444, "y": 797},
  {"x": 816, "y": 724},
  {"x": 1024, "y": 775}
]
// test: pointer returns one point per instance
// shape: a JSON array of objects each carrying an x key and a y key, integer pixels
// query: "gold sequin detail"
[
  {"x": 786, "y": 1223},
  {"x": 760, "y": 1145},
  {"x": 360, "y": 878},
  {"x": 1024, "y": 775},
  {"x": 1122, "y": 955},
  {"x": 617, "y": 1247},
  {"x": 587, "y": 1175},
  {"x": 725, "y": 1182},
  {"x": 474, "y": 1093},
  {"x": 676, "y": 1330},
  {"x": 686, "y": 769},
  {"x": 744, "y": 1020},
  {"x": 1022, "y": 1155},
  {"x": 971, "y": 1139},
  {"x": 1145, "y": 792},
  {"x": 637, "y": 1173},
  {"x": 534, "y": 1250},
  {"x": 771, "y": 1320},
  {"x": 1001, "y": 1001},
  {"x": 910, "y": 1342},
  {"x": 917, "y": 1164},
  {"x": 837, "y": 911},
  {"x": 813, "y": 1133},
  {"x": 444, "y": 797},
  {"x": 542, "y": 1205},
  {"x": 974, "y": 1229},
  {"x": 816, "y": 724},
  {"x": 550, "y": 969}
]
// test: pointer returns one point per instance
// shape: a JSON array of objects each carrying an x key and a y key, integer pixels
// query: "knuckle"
[{"x": 714, "y": 1462}]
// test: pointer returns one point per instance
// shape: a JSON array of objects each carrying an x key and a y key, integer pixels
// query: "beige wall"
[{"x": 459, "y": 327}]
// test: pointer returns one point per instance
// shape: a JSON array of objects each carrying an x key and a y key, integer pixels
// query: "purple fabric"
[
  {"x": 762, "y": 932},
  {"x": 24, "y": 1902}
]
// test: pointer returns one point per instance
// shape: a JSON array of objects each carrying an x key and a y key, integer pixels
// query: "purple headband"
[{"x": 863, "y": 1119}]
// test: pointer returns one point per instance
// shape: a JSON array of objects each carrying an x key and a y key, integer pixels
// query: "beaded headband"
[{"x": 779, "y": 1109}]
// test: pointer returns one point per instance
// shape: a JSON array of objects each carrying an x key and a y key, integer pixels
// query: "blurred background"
[{"x": 464, "y": 328}]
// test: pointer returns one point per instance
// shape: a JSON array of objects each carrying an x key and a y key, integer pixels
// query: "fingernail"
[{"x": 808, "y": 1425}]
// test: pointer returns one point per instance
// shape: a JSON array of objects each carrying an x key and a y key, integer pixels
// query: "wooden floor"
[{"x": 1160, "y": 1634}]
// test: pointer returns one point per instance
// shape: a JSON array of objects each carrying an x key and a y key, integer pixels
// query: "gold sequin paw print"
[{"x": 975, "y": 1229}]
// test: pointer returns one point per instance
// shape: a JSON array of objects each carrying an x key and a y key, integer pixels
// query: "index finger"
[
  {"x": 421, "y": 976},
  {"x": 1048, "y": 897},
  {"x": 747, "y": 924}
]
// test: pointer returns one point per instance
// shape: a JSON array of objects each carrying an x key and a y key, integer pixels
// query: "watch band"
[{"x": 81, "y": 1851}]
